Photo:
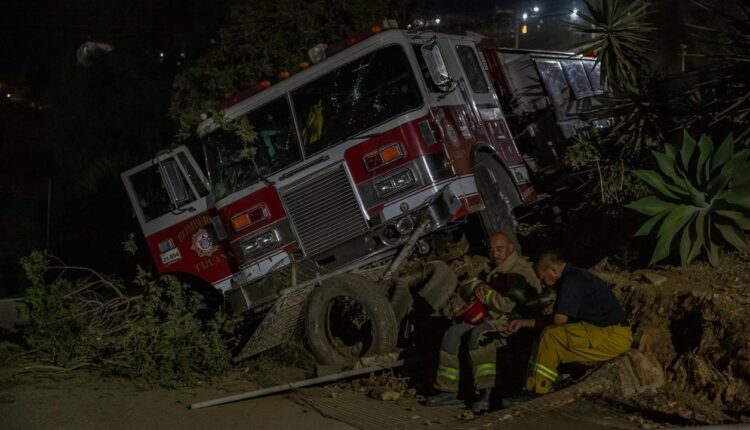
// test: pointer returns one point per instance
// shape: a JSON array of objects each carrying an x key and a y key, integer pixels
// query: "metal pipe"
[
  {"x": 298, "y": 384},
  {"x": 407, "y": 249}
]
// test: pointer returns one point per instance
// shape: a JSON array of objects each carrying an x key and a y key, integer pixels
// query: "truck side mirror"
[
  {"x": 436, "y": 66},
  {"x": 178, "y": 192}
]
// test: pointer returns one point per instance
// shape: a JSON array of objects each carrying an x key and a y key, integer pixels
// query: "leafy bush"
[
  {"x": 702, "y": 199},
  {"x": 165, "y": 336},
  {"x": 169, "y": 343},
  {"x": 603, "y": 168},
  {"x": 60, "y": 325}
]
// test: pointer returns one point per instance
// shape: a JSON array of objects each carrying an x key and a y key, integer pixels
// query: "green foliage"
[
  {"x": 56, "y": 323},
  {"x": 166, "y": 336},
  {"x": 701, "y": 201},
  {"x": 725, "y": 97},
  {"x": 169, "y": 343},
  {"x": 262, "y": 39},
  {"x": 619, "y": 34},
  {"x": 129, "y": 245},
  {"x": 603, "y": 167}
]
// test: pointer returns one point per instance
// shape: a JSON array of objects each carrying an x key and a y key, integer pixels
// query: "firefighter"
[
  {"x": 588, "y": 324},
  {"x": 511, "y": 290}
]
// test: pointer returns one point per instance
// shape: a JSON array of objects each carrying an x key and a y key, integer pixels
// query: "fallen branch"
[{"x": 48, "y": 368}]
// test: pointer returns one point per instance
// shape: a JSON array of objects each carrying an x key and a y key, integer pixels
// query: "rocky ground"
[{"x": 693, "y": 321}]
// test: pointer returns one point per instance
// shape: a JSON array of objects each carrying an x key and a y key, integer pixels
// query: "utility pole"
[{"x": 49, "y": 211}]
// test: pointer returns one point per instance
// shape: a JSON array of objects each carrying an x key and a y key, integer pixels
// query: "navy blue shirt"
[{"x": 583, "y": 296}]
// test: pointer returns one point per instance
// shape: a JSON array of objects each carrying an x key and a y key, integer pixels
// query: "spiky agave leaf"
[
  {"x": 619, "y": 32},
  {"x": 701, "y": 201}
]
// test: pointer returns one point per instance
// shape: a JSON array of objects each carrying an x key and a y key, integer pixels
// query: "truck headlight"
[
  {"x": 260, "y": 242},
  {"x": 398, "y": 181}
]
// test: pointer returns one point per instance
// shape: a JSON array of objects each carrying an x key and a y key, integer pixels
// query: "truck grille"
[{"x": 324, "y": 211}]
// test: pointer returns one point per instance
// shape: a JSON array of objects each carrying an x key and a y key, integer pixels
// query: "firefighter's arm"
[
  {"x": 493, "y": 300},
  {"x": 515, "y": 325}
]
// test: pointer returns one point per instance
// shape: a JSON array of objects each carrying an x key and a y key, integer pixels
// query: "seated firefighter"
[
  {"x": 509, "y": 290},
  {"x": 588, "y": 324}
]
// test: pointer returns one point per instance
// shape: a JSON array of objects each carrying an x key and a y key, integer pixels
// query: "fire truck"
[{"x": 389, "y": 137}]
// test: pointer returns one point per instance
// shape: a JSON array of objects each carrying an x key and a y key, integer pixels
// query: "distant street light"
[
  {"x": 525, "y": 16},
  {"x": 536, "y": 9}
]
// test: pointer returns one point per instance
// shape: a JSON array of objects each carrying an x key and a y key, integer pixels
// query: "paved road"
[{"x": 78, "y": 404}]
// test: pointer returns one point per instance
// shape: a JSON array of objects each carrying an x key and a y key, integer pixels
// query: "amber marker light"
[
  {"x": 391, "y": 153},
  {"x": 383, "y": 156},
  {"x": 252, "y": 216}
]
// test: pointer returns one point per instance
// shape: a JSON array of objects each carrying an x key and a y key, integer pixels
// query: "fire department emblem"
[{"x": 203, "y": 243}]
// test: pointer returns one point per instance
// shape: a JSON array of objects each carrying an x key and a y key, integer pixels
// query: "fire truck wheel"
[
  {"x": 348, "y": 317},
  {"x": 496, "y": 188}
]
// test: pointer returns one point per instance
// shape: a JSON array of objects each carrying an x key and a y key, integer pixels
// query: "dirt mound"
[{"x": 694, "y": 321}]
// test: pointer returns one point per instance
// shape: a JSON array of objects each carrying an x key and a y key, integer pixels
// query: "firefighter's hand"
[
  {"x": 515, "y": 325},
  {"x": 481, "y": 291}
]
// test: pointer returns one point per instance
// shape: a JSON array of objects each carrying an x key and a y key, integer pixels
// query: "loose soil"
[{"x": 694, "y": 321}]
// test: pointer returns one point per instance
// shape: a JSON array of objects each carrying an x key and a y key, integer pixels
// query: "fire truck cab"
[{"x": 388, "y": 137}]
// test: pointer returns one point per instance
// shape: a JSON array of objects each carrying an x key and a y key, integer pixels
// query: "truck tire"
[
  {"x": 498, "y": 194},
  {"x": 347, "y": 318}
]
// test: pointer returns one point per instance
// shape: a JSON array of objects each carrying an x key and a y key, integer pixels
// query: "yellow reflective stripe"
[
  {"x": 448, "y": 372},
  {"x": 484, "y": 369},
  {"x": 546, "y": 372},
  {"x": 547, "y": 369},
  {"x": 488, "y": 295},
  {"x": 450, "y": 376}
]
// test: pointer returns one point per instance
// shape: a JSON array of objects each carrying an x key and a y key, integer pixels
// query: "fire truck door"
[
  {"x": 166, "y": 191},
  {"x": 474, "y": 87}
]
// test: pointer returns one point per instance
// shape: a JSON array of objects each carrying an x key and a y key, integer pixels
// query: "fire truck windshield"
[
  {"x": 355, "y": 97},
  {"x": 335, "y": 106},
  {"x": 234, "y": 164}
]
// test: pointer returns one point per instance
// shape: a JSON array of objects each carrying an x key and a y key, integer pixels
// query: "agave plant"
[
  {"x": 701, "y": 200},
  {"x": 619, "y": 36}
]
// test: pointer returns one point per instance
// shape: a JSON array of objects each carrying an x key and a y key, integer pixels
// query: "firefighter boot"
[
  {"x": 483, "y": 404},
  {"x": 443, "y": 399}
]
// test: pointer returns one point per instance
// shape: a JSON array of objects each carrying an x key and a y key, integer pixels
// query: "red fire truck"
[{"x": 388, "y": 137}]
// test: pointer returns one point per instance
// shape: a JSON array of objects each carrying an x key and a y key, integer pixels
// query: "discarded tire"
[
  {"x": 498, "y": 194},
  {"x": 348, "y": 317}
]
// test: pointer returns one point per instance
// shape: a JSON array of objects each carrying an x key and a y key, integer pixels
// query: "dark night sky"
[{"x": 37, "y": 35}]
